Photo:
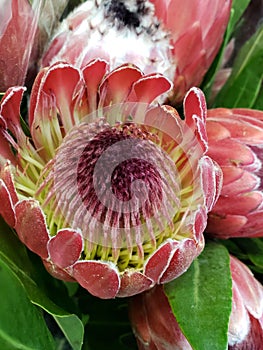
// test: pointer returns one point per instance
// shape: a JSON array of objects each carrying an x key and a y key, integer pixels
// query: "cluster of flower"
[{"x": 109, "y": 186}]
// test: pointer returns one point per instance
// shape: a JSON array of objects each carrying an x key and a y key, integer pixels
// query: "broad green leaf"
[
  {"x": 243, "y": 86},
  {"x": 15, "y": 255},
  {"x": 201, "y": 299},
  {"x": 21, "y": 324}
]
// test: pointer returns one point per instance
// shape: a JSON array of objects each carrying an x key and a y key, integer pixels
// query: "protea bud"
[
  {"x": 156, "y": 328},
  {"x": 235, "y": 143},
  {"x": 25, "y": 27},
  {"x": 114, "y": 197},
  {"x": 175, "y": 38},
  {"x": 18, "y": 25}
]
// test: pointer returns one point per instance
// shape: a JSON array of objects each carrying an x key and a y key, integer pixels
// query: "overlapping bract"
[
  {"x": 236, "y": 144},
  {"x": 175, "y": 38},
  {"x": 61, "y": 99},
  {"x": 156, "y": 328}
]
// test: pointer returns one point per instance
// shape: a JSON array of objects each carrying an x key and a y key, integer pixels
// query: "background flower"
[
  {"x": 235, "y": 139},
  {"x": 157, "y": 36}
]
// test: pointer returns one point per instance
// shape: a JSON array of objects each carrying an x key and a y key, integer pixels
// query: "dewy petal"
[
  {"x": 237, "y": 181},
  {"x": 238, "y": 205},
  {"x": 93, "y": 74},
  {"x": 149, "y": 87},
  {"x": 34, "y": 97},
  {"x": 254, "y": 225},
  {"x": 10, "y": 109},
  {"x": 216, "y": 131},
  {"x": 249, "y": 288},
  {"x": 8, "y": 195},
  {"x": 195, "y": 114},
  {"x": 65, "y": 248},
  {"x": 57, "y": 272},
  {"x": 5, "y": 149},
  {"x": 217, "y": 225},
  {"x": 54, "y": 92},
  {"x": 167, "y": 119},
  {"x": 6, "y": 205},
  {"x": 7, "y": 176},
  {"x": 159, "y": 261},
  {"x": 182, "y": 256},
  {"x": 133, "y": 282},
  {"x": 99, "y": 278},
  {"x": 231, "y": 152},
  {"x": 239, "y": 323},
  {"x": 191, "y": 41},
  {"x": 139, "y": 320},
  {"x": 117, "y": 85},
  {"x": 245, "y": 328},
  {"x": 211, "y": 181},
  {"x": 243, "y": 124},
  {"x": 31, "y": 226}
]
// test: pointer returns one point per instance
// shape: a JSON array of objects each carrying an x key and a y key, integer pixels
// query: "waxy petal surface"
[
  {"x": 133, "y": 283},
  {"x": 183, "y": 254},
  {"x": 6, "y": 205},
  {"x": 65, "y": 248},
  {"x": 99, "y": 278},
  {"x": 159, "y": 261},
  {"x": 31, "y": 226}
]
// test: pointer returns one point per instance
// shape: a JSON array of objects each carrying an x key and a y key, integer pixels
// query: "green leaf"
[
  {"x": 15, "y": 255},
  {"x": 238, "y": 8},
  {"x": 243, "y": 86},
  {"x": 70, "y": 326},
  {"x": 21, "y": 324},
  {"x": 201, "y": 299},
  {"x": 258, "y": 104},
  {"x": 209, "y": 78},
  {"x": 253, "y": 247},
  {"x": 109, "y": 326}
]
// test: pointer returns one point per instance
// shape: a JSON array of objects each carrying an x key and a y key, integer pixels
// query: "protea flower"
[
  {"x": 235, "y": 143},
  {"x": 155, "y": 326},
  {"x": 175, "y": 38},
  {"x": 115, "y": 198}
]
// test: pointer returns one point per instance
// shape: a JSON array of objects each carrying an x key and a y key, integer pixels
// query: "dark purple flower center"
[
  {"x": 124, "y": 180},
  {"x": 116, "y": 184}
]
